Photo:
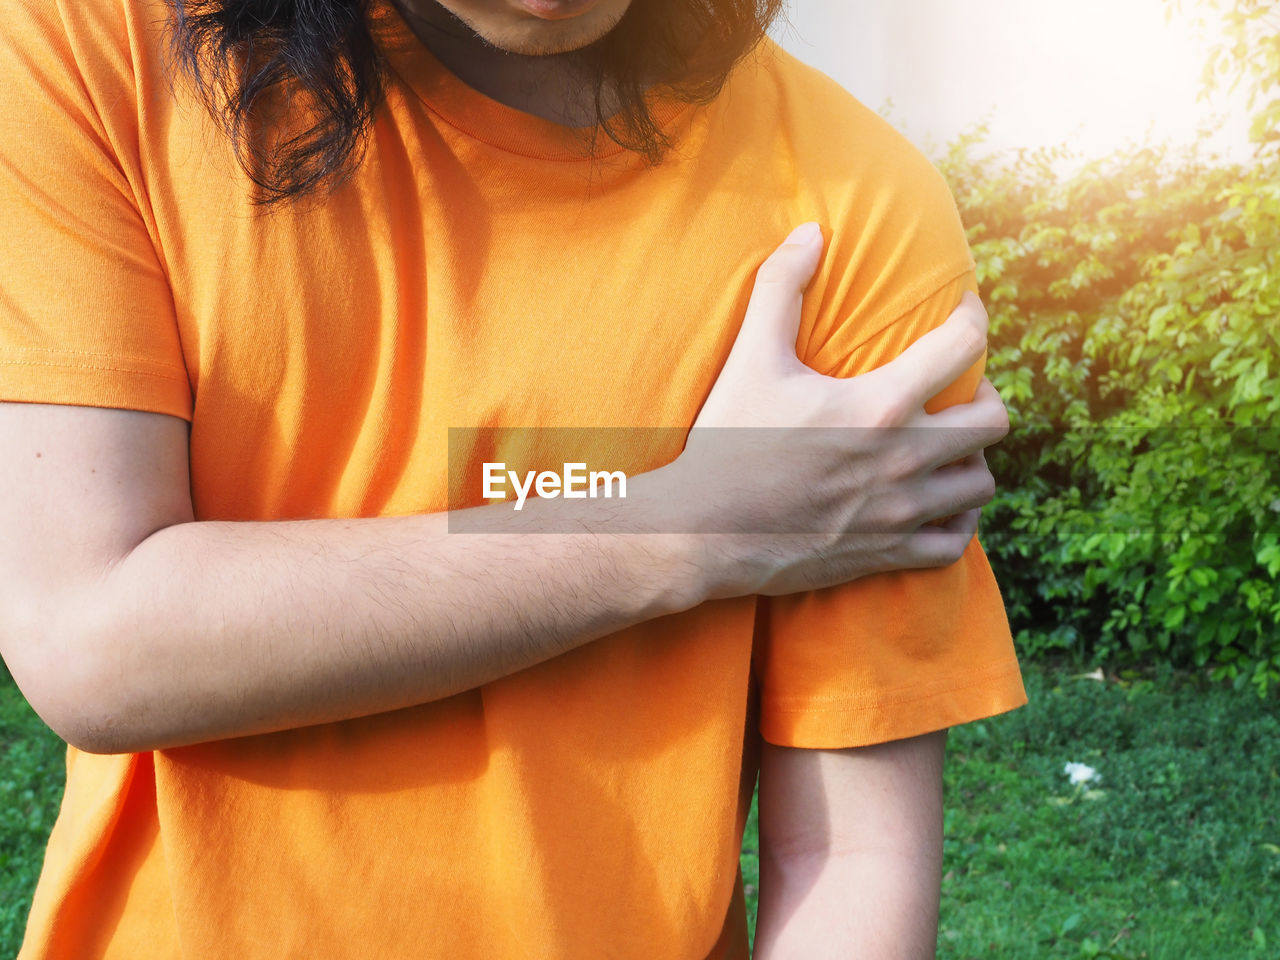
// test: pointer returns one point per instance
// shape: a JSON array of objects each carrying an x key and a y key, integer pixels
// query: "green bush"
[{"x": 1134, "y": 310}]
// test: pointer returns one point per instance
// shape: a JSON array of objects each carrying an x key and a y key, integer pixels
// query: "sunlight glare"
[{"x": 1095, "y": 74}]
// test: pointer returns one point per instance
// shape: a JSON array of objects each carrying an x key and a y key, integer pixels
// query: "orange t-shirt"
[{"x": 477, "y": 272}]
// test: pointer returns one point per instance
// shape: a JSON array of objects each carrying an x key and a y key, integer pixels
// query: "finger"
[
  {"x": 986, "y": 411},
  {"x": 964, "y": 428},
  {"x": 943, "y": 544},
  {"x": 957, "y": 487},
  {"x": 988, "y": 407},
  {"x": 772, "y": 321},
  {"x": 937, "y": 359},
  {"x": 987, "y": 393}
]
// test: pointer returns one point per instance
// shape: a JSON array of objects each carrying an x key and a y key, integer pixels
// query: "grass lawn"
[
  {"x": 32, "y": 769},
  {"x": 1174, "y": 854}
]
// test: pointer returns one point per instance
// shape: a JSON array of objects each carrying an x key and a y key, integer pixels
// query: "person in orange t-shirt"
[{"x": 280, "y": 280}]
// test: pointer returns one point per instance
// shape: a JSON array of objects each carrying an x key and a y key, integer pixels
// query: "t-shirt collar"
[{"x": 479, "y": 116}]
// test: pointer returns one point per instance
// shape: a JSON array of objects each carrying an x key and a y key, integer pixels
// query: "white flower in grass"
[{"x": 1080, "y": 773}]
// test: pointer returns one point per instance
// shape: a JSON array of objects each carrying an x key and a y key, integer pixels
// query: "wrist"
[{"x": 668, "y": 521}]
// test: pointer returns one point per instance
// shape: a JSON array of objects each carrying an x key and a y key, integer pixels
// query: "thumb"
[
  {"x": 939, "y": 358},
  {"x": 772, "y": 321}
]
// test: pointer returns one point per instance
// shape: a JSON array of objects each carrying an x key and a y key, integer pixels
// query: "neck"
[{"x": 551, "y": 86}]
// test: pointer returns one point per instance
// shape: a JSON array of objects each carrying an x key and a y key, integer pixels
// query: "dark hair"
[{"x": 295, "y": 84}]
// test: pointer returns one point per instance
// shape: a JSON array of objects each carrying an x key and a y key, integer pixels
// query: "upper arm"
[
  {"x": 850, "y": 849},
  {"x": 88, "y": 339},
  {"x": 80, "y": 487}
]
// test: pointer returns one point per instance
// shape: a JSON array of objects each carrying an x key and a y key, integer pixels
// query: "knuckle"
[
  {"x": 948, "y": 548},
  {"x": 887, "y": 411},
  {"x": 1004, "y": 424},
  {"x": 902, "y": 513},
  {"x": 996, "y": 418},
  {"x": 775, "y": 270},
  {"x": 973, "y": 340},
  {"x": 905, "y": 460},
  {"x": 877, "y": 398},
  {"x": 986, "y": 487},
  {"x": 991, "y": 414},
  {"x": 1001, "y": 423},
  {"x": 978, "y": 487},
  {"x": 936, "y": 554},
  {"x": 786, "y": 265},
  {"x": 973, "y": 309},
  {"x": 972, "y": 333}
]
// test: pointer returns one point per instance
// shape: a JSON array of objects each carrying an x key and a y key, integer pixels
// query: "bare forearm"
[
  {"x": 212, "y": 630},
  {"x": 871, "y": 906},
  {"x": 851, "y": 851}
]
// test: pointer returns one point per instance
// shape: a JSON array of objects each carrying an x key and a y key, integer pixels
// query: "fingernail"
[{"x": 805, "y": 233}]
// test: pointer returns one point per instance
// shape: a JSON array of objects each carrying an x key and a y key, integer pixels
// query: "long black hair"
[{"x": 295, "y": 84}]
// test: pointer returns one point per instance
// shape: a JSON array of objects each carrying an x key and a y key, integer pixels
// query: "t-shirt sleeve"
[
  {"x": 900, "y": 654},
  {"x": 86, "y": 312}
]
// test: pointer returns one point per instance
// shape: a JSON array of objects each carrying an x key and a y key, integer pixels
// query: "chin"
[{"x": 505, "y": 25}]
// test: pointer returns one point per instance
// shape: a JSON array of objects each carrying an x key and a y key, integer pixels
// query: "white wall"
[{"x": 1094, "y": 73}]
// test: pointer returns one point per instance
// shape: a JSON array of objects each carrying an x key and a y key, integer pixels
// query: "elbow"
[
  {"x": 91, "y": 724},
  {"x": 88, "y": 733},
  {"x": 63, "y": 667},
  {"x": 96, "y": 738},
  {"x": 82, "y": 712}
]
